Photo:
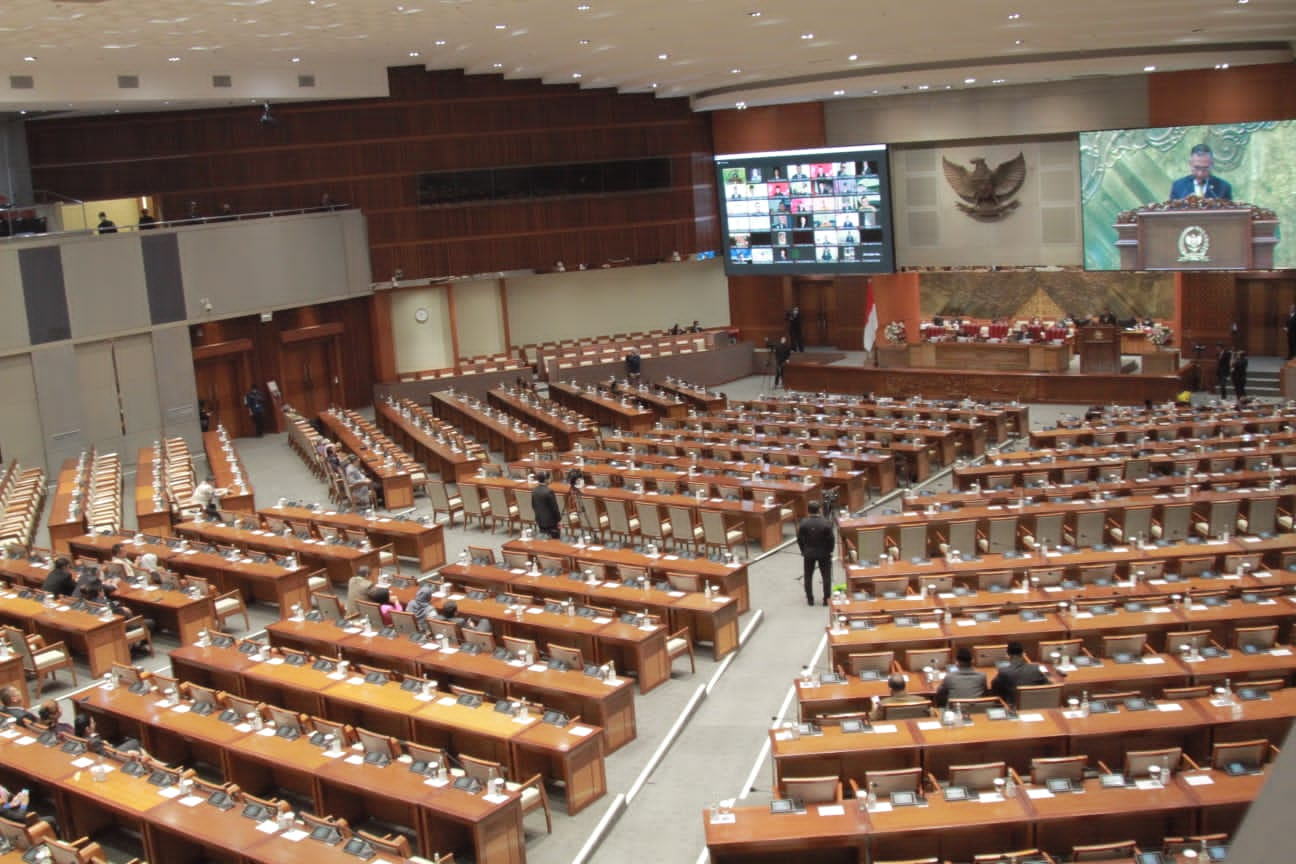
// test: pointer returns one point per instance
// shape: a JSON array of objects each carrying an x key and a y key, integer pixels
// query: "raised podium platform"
[{"x": 1197, "y": 238}]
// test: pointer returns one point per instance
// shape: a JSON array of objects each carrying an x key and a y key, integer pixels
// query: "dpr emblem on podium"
[{"x": 1194, "y": 245}]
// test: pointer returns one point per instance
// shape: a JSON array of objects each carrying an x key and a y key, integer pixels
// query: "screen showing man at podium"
[{"x": 1189, "y": 197}]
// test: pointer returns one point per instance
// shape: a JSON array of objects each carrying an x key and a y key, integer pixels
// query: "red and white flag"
[{"x": 870, "y": 318}]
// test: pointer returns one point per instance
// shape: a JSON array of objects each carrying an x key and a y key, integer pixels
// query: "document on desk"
[{"x": 832, "y": 810}]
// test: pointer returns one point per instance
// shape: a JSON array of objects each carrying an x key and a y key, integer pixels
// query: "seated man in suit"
[
  {"x": 896, "y": 692},
  {"x": 1018, "y": 673},
  {"x": 1200, "y": 181},
  {"x": 963, "y": 682}
]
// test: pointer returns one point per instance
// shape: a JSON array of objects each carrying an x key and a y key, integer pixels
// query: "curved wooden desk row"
[
  {"x": 443, "y": 449},
  {"x": 100, "y": 641},
  {"x": 259, "y": 574},
  {"x": 464, "y": 412},
  {"x": 572, "y": 753},
  {"x": 637, "y": 648},
  {"x": 1231, "y": 443},
  {"x": 762, "y": 521},
  {"x": 444, "y": 817},
  {"x": 709, "y": 619},
  {"x": 1196, "y": 725},
  {"x": 564, "y": 426},
  {"x": 1193, "y": 803},
  {"x": 1162, "y": 429},
  {"x": 785, "y": 481},
  {"x": 877, "y": 464},
  {"x": 700, "y": 397},
  {"x": 600, "y": 407},
  {"x": 1216, "y": 466},
  {"x": 227, "y": 469},
  {"x": 393, "y": 468},
  {"x": 423, "y": 542},
  {"x": 340, "y": 562},
  {"x": 662, "y": 403},
  {"x": 1186, "y": 559},
  {"x": 1009, "y": 419}
]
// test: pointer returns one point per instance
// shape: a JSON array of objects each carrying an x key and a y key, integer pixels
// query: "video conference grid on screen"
[{"x": 806, "y": 211}]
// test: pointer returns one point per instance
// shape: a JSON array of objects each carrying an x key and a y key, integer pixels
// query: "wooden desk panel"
[{"x": 424, "y": 543}]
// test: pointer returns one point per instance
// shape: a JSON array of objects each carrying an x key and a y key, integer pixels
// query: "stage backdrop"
[{"x": 1122, "y": 169}]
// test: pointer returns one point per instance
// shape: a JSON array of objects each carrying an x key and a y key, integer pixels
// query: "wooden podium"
[
  {"x": 1099, "y": 347},
  {"x": 1205, "y": 238}
]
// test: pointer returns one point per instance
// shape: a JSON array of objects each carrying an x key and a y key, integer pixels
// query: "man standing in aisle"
[
  {"x": 794, "y": 328},
  {"x": 782, "y": 352},
  {"x": 1238, "y": 372},
  {"x": 545, "y": 505},
  {"x": 1223, "y": 366},
  {"x": 815, "y": 539},
  {"x": 255, "y": 402}
]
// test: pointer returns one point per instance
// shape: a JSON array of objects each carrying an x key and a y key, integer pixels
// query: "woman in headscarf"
[{"x": 421, "y": 606}]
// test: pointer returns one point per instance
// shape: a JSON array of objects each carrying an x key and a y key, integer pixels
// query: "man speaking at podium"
[{"x": 1200, "y": 181}]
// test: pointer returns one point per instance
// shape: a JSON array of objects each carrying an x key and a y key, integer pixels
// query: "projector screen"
[
  {"x": 801, "y": 212},
  {"x": 1192, "y": 170}
]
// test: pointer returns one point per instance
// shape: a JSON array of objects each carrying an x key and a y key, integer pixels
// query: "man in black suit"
[
  {"x": 1223, "y": 366},
  {"x": 815, "y": 539},
  {"x": 782, "y": 352},
  {"x": 1291, "y": 331},
  {"x": 794, "y": 328},
  {"x": 1200, "y": 181},
  {"x": 60, "y": 582},
  {"x": 963, "y": 682},
  {"x": 1238, "y": 372},
  {"x": 1018, "y": 673},
  {"x": 545, "y": 505}
]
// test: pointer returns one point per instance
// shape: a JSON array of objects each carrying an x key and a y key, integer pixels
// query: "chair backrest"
[
  {"x": 1174, "y": 522},
  {"x": 571, "y": 657},
  {"x": 394, "y": 845},
  {"x": 879, "y": 662},
  {"x": 989, "y": 655},
  {"x": 1062, "y": 647},
  {"x": 424, "y": 753},
  {"x": 1260, "y": 638},
  {"x": 480, "y": 769},
  {"x": 870, "y": 544},
  {"x": 1197, "y": 691},
  {"x": 907, "y": 710},
  {"x": 1138, "y": 523},
  {"x": 618, "y": 519},
  {"x": 1222, "y": 517},
  {"x": 525, "y": 510},
  {"x": 713, "y": 527},
  {"x": 329, "y": 605},
  {"x": 1186, "y": 639},
  {"x": 372, "y": 613},
  {"x": 1137, "y": 762},
  {"x": 373, "y": 742},
  {"x": 243, "y": 706},
  {"x": 978, "y": 777},
  {"x": 404, "y": 621},
  {"x": 471, "y": 496},
  {"x": 913, "y": 541},
  {"x": 485, "y": 641},
  {"x": 988, "y": 580},
  {"x": 689, "y": 582},
  {"x": 1038, "y": 696},
  {"x": 938, "y": 582},
  {"x": 516, "y": 560},
  {"x": 1114, "y": 645},
  {"x": 962, "y": 536},
  {"x": 813, "y": 790},
  {"x": 649, "y": 518},
  {"x": 517, "y": 646},
  {"x": 1097, "y": 574},
  {"x": 978, "y": 705},
  {"x": 896, "y": 780},
  {"x": 917, "y": 659},
  {"x": 889, "y": 586},
  {"x": 436, "y": 490},
  {"x": 1121, "y": 851},
  {"x": 284, "y": 719},
  {"x": 481, "y": 555},
  {"x": 1043, "y": 769},
  {"x": 1249, "y": 754},
  {"x": 442, "y": 627},
  {"x": 1002, "y": 535}
]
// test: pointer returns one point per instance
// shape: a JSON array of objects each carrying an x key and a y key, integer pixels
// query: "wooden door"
[
  {"x": 1262, "y": 313},
  {"x": 221, "y": 382},
  {"x": 311, "y": 375},
  {"x": 813, "y": 296}
]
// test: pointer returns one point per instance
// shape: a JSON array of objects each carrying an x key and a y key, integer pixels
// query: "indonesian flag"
[{"x": 870, "y": 318}]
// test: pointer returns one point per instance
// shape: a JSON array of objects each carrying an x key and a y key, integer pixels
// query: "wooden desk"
[
  {"x": 67, "y": 511},
  {"x": 100, "y": 642},
  {"x": 424, "y": 543},
  {"x": 446, "y": 459},
  {"x": 152, "y": 512},
  {"x": 224, "y": 464},
  {"x": 516, "y": 441},
  {"x": 563, "y": 426},
  {"x": 703, "y": 399},
  {"x": 341, "y": 562},
  {"x": 1100, "y": 815},
  {"x": 393, "y": 477},
  {"x": 603, "y": 409}
]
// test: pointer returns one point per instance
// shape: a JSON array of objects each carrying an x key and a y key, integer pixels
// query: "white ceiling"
[{"x": 718, "y": 52}]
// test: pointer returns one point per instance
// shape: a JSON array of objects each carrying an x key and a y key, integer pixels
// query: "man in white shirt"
[
  {"x": 205, "y": 496},
  {"x": 357, "y": 481}
]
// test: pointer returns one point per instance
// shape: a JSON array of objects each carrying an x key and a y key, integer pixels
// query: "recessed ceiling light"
[
  {"x": 969, "y": 80},
  {"x": 741, "y": 106},
  {"x": 173, "y": 59},
  {"x": 998, "y": 80},
  {"x": 755, "y": 13},
  {"x": 584, "y": 7},
  {"x": 497, "y": 65},
  {"x": 1149, "y": 68},
  {"x": 735, "y": 71},
  {"x": 839, "y": 92},
  {"x": 807, "y": 35},
  {"x": 1013, "y": 16},
  {"x": 439, "y": 42},
  {"x": 1017, "y": 41},
  {"x": 1243, "y": 2},
  {"x": 1221, "y": 65},
  {"x": 576, "y": 74},
  {"x": 924, "y": 86},
  {"x": 501, "y": 26},
  {"x": 29, "y": 59},
  {"x": 853, "y": 57},
  {"x": 875, "y": 92},
  {"x": 296, "y": 59},
  {"x": 949, "y": 86},
  {"x": 654, "y": 85},
  {"x": 413, "y": 53},
  {"x": 663, "y": 56},
  {"x": 583, "y": 42}
]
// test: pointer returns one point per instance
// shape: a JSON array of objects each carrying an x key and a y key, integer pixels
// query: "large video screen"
[
  {"x": 795, "y": 212},
  {"x": 1184, "y": 178}
]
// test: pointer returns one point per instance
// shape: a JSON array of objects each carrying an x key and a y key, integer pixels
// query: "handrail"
[
  {"x": 184, "y": 222},
  {"x": 57, "y": 195}
]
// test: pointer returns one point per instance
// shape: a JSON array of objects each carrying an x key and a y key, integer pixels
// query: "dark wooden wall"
[
  {"x": 233, "y": 354},
  {"x": 367, "y": 153}
]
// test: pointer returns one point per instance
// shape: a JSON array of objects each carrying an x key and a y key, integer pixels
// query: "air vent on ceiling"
[
  {"x": 127, "y": 82},
  {"x": 222, "y": 81},
  {"x": 305, "y": 80},
  {"x": 21, "y": 82}
]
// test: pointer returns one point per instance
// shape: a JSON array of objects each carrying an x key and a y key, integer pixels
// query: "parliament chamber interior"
[{"x": 307, "y": 307}]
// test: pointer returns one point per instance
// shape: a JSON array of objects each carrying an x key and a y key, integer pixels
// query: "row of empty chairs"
[
  {"x": 103, "y": 495},
  {"x": 22, "y": 495}
]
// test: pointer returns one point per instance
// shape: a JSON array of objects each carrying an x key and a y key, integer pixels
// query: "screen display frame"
[{"x": 825, "y": 210}]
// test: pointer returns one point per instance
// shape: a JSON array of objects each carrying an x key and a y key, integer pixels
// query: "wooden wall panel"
[
  {"x": 367, "y": 153},
  {"x": 776, "y": 127},
  {"x": 1195, "y": 96}
]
